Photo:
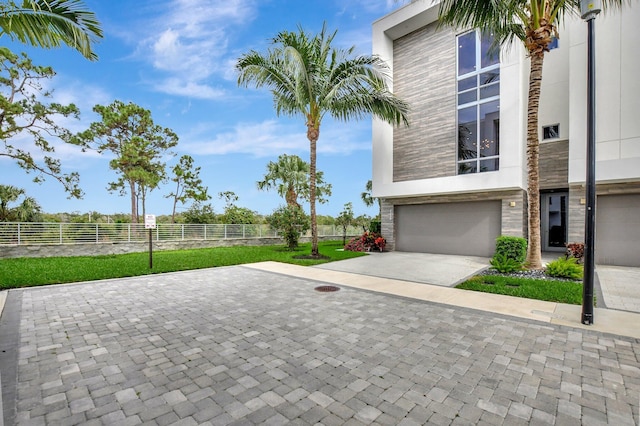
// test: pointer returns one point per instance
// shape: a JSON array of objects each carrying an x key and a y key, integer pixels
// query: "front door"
[{"x": 554, "y": 220}]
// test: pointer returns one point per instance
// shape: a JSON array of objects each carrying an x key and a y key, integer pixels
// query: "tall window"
[{"x": 478, "y": 104}]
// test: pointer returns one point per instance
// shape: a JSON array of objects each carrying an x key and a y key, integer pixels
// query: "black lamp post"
[{"x": 589, "y": 10}]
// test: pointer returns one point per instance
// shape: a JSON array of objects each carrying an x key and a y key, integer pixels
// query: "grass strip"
[
  {"x": 27, "y": 272},
  {"x": 550, "y": 290}
]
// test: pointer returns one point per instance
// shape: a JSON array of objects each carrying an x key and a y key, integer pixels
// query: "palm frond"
[{"x": 50, "y": 23}]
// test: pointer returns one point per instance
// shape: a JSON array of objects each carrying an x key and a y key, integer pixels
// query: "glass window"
[
  {"x": 466, "y": 53},
  {"x": 478, "y": 104}
]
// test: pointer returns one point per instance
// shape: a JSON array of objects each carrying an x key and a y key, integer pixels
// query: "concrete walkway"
[
  {"x": 618, "y": 286},
  {"x": 256, "y": 344}
]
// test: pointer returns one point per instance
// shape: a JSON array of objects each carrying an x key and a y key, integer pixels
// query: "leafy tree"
[
  {"x": 188, "y": 185},
  {"x": 229, "y": 198},
  {"x": 310, "y": 78},
  {"x": 234, "y": 214},
  {"x": 238, "y": 215},
  {"x": 364, "y": 221},
  {"x": 291, "y": 221},
  {"x": 49, "y": 23},
  {"x": 325, "y": 220},
  {"x": 25, "y": 112},
  {"x": 534, "y": 23},
  {"x": 199, "y": 213},
  {"x": 368, "y": 199},
  {"x": 139, "y": 145},
  {"x": 345, "y": 219},
  {"x": 26, "y": 211},
  {"x": 290, "y": 177}
]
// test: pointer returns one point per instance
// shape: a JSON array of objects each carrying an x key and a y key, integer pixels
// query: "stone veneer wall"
[
  {"x": 513, "y": 217},
  {"x": 554, "y": 164},
  {"x": 105, "y": 249},
  {"x": 424, "y": 75}
]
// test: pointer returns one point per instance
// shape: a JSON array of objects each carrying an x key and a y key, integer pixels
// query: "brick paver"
[{"x": 242, "y": 346}]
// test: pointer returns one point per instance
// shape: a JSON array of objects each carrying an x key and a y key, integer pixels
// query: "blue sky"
[{"x": 176, "y": 58}]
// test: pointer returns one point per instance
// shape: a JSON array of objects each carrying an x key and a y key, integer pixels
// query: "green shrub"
[
  {"x": 512, "y": 248},
  {"x": 502, "y": 263},
  {"x": 565, "y": 268},
  {"x": 375, "y": 226},
  {"x": 291, "y": 222}
]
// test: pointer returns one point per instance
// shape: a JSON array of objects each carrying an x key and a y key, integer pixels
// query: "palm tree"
[
  {"x": 8, "y": 194},
  {"x": 310, "y": 78},
  {"x": 534, "y": 23},
  {"x": 49, "y": 23},
  {"x": 290, "y": 177}
]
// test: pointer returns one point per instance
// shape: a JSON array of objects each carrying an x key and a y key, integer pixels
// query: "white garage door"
[
  {"x": 453, "y": 228},
  {"x": 618, "y": 230}
]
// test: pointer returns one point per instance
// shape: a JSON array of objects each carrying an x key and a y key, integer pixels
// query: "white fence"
[{"x": 14, "y": 233}]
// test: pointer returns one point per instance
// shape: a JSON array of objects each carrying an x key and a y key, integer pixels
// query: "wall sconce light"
[
  {"x": 583, "y": 201},
  {"x": 512, "y": 203}
]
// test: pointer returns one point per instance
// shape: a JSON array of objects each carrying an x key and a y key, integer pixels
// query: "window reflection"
[{"x": 478, "y": 104}]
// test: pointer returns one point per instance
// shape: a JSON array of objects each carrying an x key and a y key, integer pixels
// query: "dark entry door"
[{"x": 554, "y": 221}]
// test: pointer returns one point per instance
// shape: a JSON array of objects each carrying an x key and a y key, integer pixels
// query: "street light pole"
[{"x": 589, "y": 10}]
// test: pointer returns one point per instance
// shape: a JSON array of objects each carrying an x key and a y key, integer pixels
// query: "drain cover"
[{"x": 326, "y": 288}]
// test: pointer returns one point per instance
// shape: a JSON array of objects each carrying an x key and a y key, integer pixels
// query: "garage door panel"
[
  {"x": 618, "y": 230},
  {"x": 453, "y": 228}
]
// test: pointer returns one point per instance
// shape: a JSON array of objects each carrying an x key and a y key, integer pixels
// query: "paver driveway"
[{"x": 238, "y": 345}]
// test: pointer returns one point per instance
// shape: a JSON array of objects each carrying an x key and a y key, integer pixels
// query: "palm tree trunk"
[
  {"x": 534, "y": 252},
  {"x": 313, "y": 134}
]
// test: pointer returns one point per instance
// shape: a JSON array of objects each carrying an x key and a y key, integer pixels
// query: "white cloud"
[
  {"x": 272, "y": 137},
  {"x": 189, "y": 43},
  {"x": 192, "y": 89}
]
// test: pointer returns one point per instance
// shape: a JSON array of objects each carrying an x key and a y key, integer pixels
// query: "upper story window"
[{"x": 478, "y": 92}]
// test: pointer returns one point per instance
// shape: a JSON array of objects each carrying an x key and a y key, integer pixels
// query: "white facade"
[{"x": 562, "y": 103}]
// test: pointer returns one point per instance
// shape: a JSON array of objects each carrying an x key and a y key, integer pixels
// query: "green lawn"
[
  {"x": 26, "y": 272},
  {"x": 549, "y": 290}
]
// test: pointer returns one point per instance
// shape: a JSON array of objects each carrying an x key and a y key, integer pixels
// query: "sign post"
[{"x": 150, "y": 224}]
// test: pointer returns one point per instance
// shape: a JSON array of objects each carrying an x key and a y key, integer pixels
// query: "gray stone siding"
[
  {"x": 513, "y": 217},
  {"x": 575, "y": 233},
  {"x": 424, "y": 76},
  {"x": 554, "y": 164}
]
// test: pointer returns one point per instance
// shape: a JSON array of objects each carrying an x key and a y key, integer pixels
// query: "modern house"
[{"x": 456, "y": 178}]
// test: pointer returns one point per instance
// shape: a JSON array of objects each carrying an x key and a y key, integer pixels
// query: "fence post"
[
  {"x": 97, "y": 234},
  {"x": 19, "y": 237},
  {"x": 60, "y": 232},
  {"x": 225, "y": 230},
  {"x": 129, "y": 233},
  {"x": 157, "y": 233},
  {"x": 182, "y": 231},
  {"x": 205, "y": 231}
]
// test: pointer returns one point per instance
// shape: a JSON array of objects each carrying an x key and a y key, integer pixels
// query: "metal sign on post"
[{"x": 150, "y": 224}]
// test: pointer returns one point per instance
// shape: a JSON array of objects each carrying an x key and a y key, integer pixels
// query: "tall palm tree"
[
  {"x": 534, "y": 23},
  {"x": 308, "y": 77},
  {"x": 290, "y": 177},
  {"x": 49, "y": 23}
]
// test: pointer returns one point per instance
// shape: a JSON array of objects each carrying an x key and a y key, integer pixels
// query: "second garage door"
[
  {"x": 618, "y": 230},
  {"x": 454, "y": 228}
]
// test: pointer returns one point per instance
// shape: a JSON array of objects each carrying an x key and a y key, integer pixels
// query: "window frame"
[{"x": 474, "y": 99}]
